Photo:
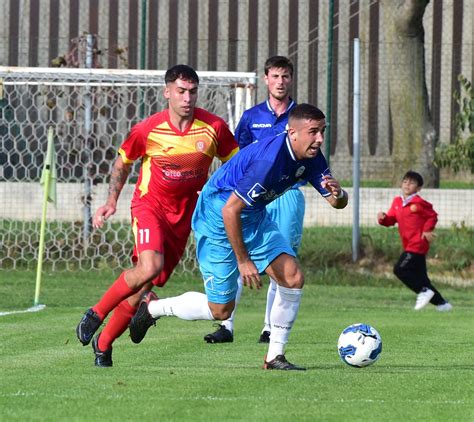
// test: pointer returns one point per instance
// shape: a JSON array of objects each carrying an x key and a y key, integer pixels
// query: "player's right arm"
[
  {"x": 233, "y": 227},
  {"x": 389, "y": 218},
  {"x": 118, "y": 177},
  {"x": 243, "y": 133}
]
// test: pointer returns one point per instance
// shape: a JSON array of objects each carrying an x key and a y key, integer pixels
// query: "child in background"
[{"x": 416, "y": 220}]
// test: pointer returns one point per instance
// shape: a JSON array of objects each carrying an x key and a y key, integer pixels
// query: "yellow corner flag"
[
  {"x": 49, "y": 174},
  {"x": 48, "y": 181}
]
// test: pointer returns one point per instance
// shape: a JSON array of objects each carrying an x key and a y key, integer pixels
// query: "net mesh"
[{"x": 91, "y": 112}]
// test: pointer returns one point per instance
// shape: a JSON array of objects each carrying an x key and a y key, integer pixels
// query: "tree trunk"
[{"x": 414, "y": 138}]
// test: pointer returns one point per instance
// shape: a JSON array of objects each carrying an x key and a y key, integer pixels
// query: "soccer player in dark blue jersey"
[
  {"x": 235, "y": 236},
  {"x": 265, "y": 120}
]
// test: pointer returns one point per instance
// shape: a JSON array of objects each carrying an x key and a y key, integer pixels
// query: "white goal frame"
[{"x": 92, "y": 111}]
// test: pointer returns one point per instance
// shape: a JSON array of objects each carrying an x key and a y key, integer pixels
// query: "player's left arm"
[
  {"x": 431, "y": 218},
  {"x": 338, "y": 197},
  {"x": 233, "y": 225}
]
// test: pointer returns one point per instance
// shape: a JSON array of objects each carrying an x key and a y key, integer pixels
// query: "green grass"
[
  {"x": 381, "y": 248},
  {"x": 425, "y": 372}
]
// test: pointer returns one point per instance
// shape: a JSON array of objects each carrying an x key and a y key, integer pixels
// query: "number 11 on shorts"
[{"x": 144, "y": 236}]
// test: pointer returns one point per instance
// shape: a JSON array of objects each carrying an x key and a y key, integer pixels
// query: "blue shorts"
[
  {"x": 218, "y": 264},
  {"x": 287, "y": 211}
]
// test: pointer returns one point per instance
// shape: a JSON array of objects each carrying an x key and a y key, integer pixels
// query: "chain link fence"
[{"x": 91, "y": 112}]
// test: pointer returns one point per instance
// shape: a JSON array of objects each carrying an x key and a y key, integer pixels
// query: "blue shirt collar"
[
  {"x": 291, "y": 104},
  {"x": 290, "y": 150}
]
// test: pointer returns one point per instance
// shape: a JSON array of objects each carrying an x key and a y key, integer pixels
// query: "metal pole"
[
  {"x": 142, "y": 57},
  {"x": 87, "y": 153},
  {"x": 329, "y": 83},
  {"x": 356, "y": 158}
]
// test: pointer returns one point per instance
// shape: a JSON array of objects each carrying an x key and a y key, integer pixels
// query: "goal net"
[{"x": 91, "y": 112}]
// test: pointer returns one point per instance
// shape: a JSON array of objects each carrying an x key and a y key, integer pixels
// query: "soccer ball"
[{"x": 359, "y": 345}]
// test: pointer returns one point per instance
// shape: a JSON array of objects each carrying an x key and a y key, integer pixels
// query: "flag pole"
[{"x": 46, "y": 176}]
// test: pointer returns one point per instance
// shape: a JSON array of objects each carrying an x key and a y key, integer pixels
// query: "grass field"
[{"x": 425, "y": 372}]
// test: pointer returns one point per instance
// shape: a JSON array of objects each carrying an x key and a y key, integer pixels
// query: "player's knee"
[
  {"x": 222, "y": 312},
  {"x": 296, "y": 279},
  {"x": 150, "y": 269},
  {"x": 397, "y": 270}
]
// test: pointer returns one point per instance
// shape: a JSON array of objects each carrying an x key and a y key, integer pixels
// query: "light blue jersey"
[{"x": 258, "y": 175}]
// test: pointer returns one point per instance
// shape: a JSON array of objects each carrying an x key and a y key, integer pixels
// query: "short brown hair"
[
  {"x": 413, "y": 175},
  {"x": 305, "y": 111},
  {"x": 181, "y": 71},
  {"x": 279, "y": 62}
]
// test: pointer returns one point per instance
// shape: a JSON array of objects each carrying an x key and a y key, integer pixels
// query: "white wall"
[{"x": 453, "y": 206}]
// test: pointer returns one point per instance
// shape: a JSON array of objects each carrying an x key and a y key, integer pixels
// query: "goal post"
[{"x": 91, "y": 111}]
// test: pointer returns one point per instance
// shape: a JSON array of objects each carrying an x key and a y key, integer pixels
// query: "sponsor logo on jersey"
[
  {"x": 272, "y": 195},
  {"x": 256, "y": 191},
  {"x": 261, "y": 125},
  {"x": 200, "y": 145},
  {"x": 300, "y": 171}
]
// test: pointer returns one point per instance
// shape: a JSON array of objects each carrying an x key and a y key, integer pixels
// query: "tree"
[
  {"x": 459, "y": 155},
  {"x": 414, "y": 137}
]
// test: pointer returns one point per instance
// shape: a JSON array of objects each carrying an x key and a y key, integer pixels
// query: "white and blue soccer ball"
[{"x": 359, "y": 345}]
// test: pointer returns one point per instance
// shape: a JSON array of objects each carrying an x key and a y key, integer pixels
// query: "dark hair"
[
  {"x": 181, "y": 71},
  {"x": 306, "y": 112},
  {"x": 279, "y": 62},
  {"x": 413, "y": 175}
]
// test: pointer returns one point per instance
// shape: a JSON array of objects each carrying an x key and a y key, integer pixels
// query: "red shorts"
[{"x": 153, "y": 231}]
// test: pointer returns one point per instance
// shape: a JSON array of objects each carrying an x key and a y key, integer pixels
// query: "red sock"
[
  {"x": 117, "y": 324},
  {"x": 112, "y": 297}
]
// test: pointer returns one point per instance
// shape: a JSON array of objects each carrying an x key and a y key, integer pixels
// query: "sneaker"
[
  {"x": 103, "y": 359},
  {"x": 444, "y": 307},
  {"x": 281, "y": 364},
  {"x": 87, "y": 327},
  {"x": 142, "y": 320},
  {"x": 264, "y": 337},
  {"x": 221, "y": 335},
  {"x": 423, "y": 298}
]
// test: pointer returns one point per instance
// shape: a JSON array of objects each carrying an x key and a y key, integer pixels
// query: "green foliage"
[
  {"x": 459, "y": 155},
  {"x": 328, "y": 249}
]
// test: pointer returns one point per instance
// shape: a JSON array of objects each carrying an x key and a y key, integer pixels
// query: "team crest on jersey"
[
  {"x": 256, "y": 191},
  {"x": 200, "y": 145},
  {"x": 413, "y": 208},
  {"x": 300, "y": 171}
]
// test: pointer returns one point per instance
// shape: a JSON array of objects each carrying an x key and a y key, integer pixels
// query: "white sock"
[
  {"x": 270, "y": 299},
  {"x": 283, "y": 315},
  {"x": 229, "y": 323},
  {"x": 190, "y": 306}
]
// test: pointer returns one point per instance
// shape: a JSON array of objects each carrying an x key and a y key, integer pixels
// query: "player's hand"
[
  {"x": 429, "y": 236},
  {"x": 331, "y": 185},
  {"x": 381, "y": 215},
  {"x": 102, "y": 214},
  {"x": 249, "y": 274}
]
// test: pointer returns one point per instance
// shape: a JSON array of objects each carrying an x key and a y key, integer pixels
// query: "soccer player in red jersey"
[{"x": 176, "y": 147}]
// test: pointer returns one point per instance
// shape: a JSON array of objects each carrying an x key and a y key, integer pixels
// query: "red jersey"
[
  {"x": 175, "y": 164},
  {"x": 414, "y": 217}
]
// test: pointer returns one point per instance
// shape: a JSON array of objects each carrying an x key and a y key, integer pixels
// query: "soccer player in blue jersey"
[
  {"x": 268, "y": 119},
  {"x": 235, "y": 236}
]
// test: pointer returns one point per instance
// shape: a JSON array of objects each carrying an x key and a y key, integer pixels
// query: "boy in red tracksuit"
[{"x": 416, "y": 220}]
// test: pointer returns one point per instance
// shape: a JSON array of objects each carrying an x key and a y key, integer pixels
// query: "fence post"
[
  {"x": 356, "y": 157},
  {"x": 329, "y": 83},
  {"x": 87, "y": 228}
]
